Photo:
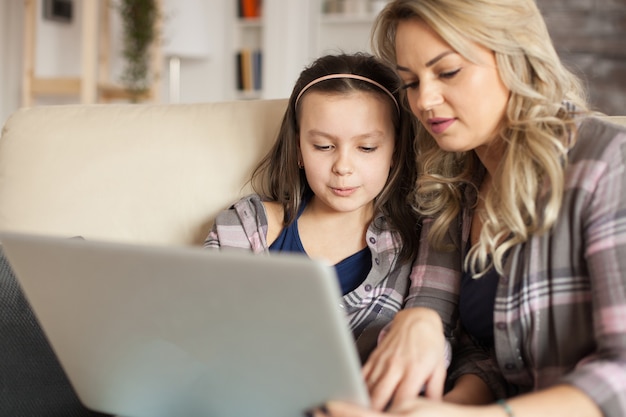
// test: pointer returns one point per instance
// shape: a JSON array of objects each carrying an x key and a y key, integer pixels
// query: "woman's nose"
[{"x": 428, "y": 96}]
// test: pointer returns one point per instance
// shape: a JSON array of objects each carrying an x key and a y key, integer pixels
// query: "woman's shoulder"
[
  {"x": 595, "y": 136},
  {"x": 611, "y": 125}
]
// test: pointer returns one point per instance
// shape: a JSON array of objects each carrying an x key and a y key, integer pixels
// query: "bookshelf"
[
  {"x": 290, "y": 35},
  {"x": 248, "y": 49},
  {"x": 93, "y": 84},
  {"x": 345, "y": 25}
]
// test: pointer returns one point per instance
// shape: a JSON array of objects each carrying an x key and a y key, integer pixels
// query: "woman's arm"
[
  {"x": 469, "y": 389},
  {"x": 409, "y": 358},
  {"x": 558, "y": 401},
  {"x": 599, "y": 158},
  {"x": 413, "y": 352}
]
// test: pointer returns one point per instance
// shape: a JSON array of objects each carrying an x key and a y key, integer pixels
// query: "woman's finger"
[{"x": 344, "y": 409}]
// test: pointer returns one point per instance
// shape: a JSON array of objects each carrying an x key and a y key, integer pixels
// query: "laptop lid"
[{"x": 147, "y": 331}]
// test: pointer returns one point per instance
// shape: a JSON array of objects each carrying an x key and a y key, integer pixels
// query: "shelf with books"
[
  {"x": 249, "y": 9},
  {"x": 249, "y": 70},
  {"x": 342, "y": 11},
  {"x": 248, "y": 49},
  {"x": 346, "y": 25},
  {"x": 270, "y": 50}
]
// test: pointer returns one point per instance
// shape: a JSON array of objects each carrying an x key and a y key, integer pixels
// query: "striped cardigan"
[{"x": 370, "y": 307}]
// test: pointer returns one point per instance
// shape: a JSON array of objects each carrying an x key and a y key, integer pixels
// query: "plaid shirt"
[
  {"x": 560, "y": 307},
  {"x": 370, "y": 307}
]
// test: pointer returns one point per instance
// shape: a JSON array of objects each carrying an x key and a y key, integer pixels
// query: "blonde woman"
[{"x": 519, "y": 179}]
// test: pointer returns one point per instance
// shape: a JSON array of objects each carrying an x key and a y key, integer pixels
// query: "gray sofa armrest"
[{"x": 32, "y": 382}]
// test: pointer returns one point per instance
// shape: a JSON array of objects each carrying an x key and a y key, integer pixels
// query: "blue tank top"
[
  {"x": 351, "y": 271},
  {"x": 476, "y": 303}
]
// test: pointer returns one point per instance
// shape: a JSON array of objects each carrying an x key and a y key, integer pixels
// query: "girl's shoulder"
[
  {"x": 269, "y": 211},
  {"x": 275, "y": 213},
  {"x": 249, "y": 206},
  {"x": 274, "y": 209}
]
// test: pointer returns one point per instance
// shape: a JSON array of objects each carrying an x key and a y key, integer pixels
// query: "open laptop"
[{"x": 147, "y": 331}]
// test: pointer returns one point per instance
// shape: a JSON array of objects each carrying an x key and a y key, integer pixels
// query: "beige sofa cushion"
[{"x": 137, "y": 173}]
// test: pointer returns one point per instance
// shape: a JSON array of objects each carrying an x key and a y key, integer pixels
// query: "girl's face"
[
  {"x": 460, "y": 103},
  {"x": 346, "y": 143}
]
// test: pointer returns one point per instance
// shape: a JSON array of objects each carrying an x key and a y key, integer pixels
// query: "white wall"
[
  {"x": 10, "y": 56},
  {"x": 293, "y": 35},
  {"x": 58, "y": 54}
]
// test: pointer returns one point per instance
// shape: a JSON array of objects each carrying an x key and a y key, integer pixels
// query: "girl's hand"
[{"x": 410, "y": 358}]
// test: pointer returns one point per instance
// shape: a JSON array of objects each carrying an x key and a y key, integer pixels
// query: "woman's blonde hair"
[{"x": 537, "y": 131}]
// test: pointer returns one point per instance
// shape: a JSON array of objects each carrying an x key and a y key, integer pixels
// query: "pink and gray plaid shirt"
[{"x": 560, "y": 308}]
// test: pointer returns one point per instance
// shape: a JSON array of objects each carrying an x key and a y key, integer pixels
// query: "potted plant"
[{"x": 140, "y": 31}]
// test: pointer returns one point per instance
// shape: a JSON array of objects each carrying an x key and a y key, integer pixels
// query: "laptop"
[{"x": 154, "y": 331}]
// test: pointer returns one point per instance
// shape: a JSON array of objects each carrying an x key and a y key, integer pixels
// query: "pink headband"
[{"x": 346, "y": 75}]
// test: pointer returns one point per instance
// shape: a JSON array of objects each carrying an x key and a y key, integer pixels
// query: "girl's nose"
[{"x": 342, "y": 165}]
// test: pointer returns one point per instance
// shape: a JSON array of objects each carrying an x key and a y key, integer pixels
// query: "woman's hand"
[
  {"x": 418, "y": 407},
  {"x": 410, "y": 358}
]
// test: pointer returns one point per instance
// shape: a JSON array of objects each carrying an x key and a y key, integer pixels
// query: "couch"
[
  {"x": 153, "y": 174},
  {"x": 135, "y": 173}
]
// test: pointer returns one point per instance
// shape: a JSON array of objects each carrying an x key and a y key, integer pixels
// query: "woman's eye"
[
  {"x": 450, "y": 74},
  {"x": 411, "y": 86}
]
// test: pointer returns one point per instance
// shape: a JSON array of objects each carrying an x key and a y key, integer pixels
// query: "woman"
[{"x": 508, "y": 148}]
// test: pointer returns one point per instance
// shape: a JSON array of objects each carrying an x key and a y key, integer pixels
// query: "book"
[
  {"x": 238, "y": 73},
  {"x": 246, "y": 69},
  {"x": 257, "y": 69},
  {"x": 250, "y": 9}
]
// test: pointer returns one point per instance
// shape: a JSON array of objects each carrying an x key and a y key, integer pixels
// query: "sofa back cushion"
[{"x": 138, "y": 173}]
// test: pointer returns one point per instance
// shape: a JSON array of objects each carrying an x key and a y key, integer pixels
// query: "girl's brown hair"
[{"x": 279, "y": 178}]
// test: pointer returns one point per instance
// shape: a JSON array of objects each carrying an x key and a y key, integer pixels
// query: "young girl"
[{"x": 335, "y": 187}]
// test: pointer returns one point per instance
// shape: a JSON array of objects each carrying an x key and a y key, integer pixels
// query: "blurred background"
[{"x": 72, "y": 51}]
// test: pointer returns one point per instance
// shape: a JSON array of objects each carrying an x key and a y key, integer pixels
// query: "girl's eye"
[
  {"x": 322, "y": 147},
  {"x": 368, "y": 149},
  {"x": 449, "y": 74}
]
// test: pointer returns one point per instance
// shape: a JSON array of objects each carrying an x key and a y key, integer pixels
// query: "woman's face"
[{"x": 459, "y": 102}]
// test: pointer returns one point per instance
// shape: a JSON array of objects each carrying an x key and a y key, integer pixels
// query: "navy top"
[
  {"x": 351, "y": 271},
  {"x": 476, "y": 303}
]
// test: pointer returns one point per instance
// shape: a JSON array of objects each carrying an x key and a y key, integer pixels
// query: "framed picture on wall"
[{"x": 58, "y": 10}]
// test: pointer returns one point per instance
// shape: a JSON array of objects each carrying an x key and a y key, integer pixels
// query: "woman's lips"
[{"x": 439, "y": 125}]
